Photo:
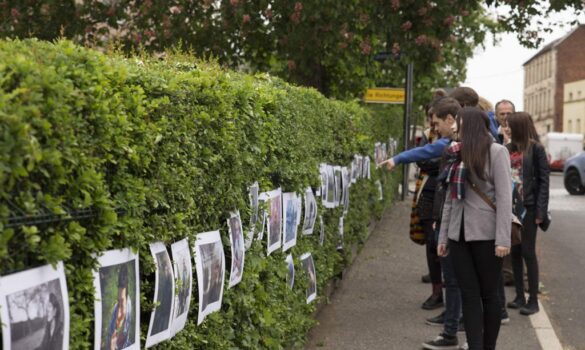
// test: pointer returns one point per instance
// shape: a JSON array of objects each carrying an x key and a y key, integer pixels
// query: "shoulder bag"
[{"x": 516, "y": 223}]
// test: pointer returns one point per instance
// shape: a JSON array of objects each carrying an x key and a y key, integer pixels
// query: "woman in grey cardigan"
[{"x": 472, "y": 233}]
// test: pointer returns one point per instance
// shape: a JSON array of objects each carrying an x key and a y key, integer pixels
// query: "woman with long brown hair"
[
  {"x": 477, "y": 170},
  {"x": 530, "y": 176}
]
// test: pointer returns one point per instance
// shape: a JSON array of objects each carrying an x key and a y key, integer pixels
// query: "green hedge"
[{"x": 174, "y": 144}]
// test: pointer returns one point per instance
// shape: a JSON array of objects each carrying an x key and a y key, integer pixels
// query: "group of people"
[{"x": 482, "y": 168}]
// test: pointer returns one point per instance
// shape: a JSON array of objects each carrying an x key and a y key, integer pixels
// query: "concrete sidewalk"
[{"x": 377, "y": 305}]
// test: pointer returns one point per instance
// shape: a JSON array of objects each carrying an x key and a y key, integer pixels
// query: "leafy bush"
[{"x": 162, "y": 150}]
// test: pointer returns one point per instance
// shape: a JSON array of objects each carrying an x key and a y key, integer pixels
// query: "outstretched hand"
[{"x": 390, "y": 165}]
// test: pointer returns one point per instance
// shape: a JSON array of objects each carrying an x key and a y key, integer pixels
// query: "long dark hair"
[
  {"x": 522, "y": 130},
  {"x": 475, "y": 139}
]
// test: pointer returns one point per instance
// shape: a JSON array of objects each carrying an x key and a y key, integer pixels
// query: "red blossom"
[
  {"x": 15, "y": 13},
  {"x": 291, "y": 65},
  {"x": 268, "y": 13},
  {"x": 448, "y": 21},
  {"x": 298, "y": 6},
  {"x": 395, "y": 4},
  {"x": 366, "y": 47},
  {"x": 175, "y": 10},
  {"x": 364, "y": 18},
  {"x": 295, "y": 17},
  {"x": 246, "y": 18},
  {"x": 406, "y": 25},
  {"x": 421, "y": 40}
]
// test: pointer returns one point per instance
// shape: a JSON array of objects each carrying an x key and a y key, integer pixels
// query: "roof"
[{"x": 552, "y": 44}]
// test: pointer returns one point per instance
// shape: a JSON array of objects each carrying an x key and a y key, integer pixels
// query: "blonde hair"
[{"x": 485, "y": 105}]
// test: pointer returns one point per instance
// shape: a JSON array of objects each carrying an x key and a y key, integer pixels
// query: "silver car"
[{"x": 574, "y": 174}]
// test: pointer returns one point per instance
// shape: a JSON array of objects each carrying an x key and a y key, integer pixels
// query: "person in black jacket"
[{"x": 530, "y": 176}]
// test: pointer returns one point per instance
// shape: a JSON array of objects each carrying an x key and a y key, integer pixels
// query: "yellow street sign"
[{"x": 384, "y": 95}]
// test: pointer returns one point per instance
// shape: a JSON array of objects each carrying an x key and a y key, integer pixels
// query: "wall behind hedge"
[{"x": 162, "y": 150}]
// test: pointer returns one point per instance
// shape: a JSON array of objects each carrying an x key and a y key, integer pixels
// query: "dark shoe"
[
  {"x": 530, "y": 308},
  {"x": 461, "y": 327},
  {"x": 426, "y": 278},
  {"x": 437, "y": 320},
  {"x": 433, "y": 302},
  {"x": 505, "y": 317},
  {"x": 442, "y": 342},
  {"x": 517, "y": 303}
]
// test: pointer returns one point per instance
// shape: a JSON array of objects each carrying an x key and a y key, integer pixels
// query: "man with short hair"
[{"x": 503, "y": 110}]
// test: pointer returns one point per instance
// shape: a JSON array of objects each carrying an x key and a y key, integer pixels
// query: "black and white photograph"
[
  {"x": 210, "y": 266},
  {"x": 380, "y": 190},
  {"x": 340, "y": 234},
  {"x": 159, "y": 328},
  {"x": 117, "y": 302},
  {"x": 310, "y": 212},
  {"x": 264, "y": 218},
  {"x": 329, "y": 201},
  {"x": 355, "y": 168},
  {"x": 321, "y": 231},
  {"x": 346, "y": 181},
  {"x": 338, "y": 185},
  {"x": 378, "y": 153},
  {"x": 253, "y": 194},
  {"x": 384, "y": 151},
  {"x": 323, "y": 177},
  {"x": 290, "y": 276},
  {"x": 182, "y": 271},
  {"x": 237, "y": 246},
  {"x": 34, "y": 309},
  {"x": 274, "y": 224},
  {"x": 290, "y": 214},
  {"x": 366, "y": 168},
  {"x": 309, "y": 267}
]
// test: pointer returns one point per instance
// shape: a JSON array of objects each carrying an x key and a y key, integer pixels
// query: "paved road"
[{"x": 562, "y": 265}]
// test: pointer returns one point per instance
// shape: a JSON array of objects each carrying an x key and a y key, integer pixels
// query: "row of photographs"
[
  {"x": 383, "y": 151},
  {"x": 35, "y": 302}
]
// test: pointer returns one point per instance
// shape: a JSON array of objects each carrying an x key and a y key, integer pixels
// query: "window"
[
  {"x": 570, "y": 96},
  {"x": 578, "y": 126},
  {"x": 570, "y": 127}
]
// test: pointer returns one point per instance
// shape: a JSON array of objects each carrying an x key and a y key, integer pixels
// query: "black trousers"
[
  {"x": 527, "y": 251},
  {"x": 478, "y": 271},
  {"x": 433, "y": 261}
]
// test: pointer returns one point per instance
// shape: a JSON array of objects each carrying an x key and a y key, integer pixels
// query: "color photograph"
[
  {"x": 159, "y": 328},
  {"x": 210, "y": 266},
  {"x": 117, "y": 303},
  {"x": 310, "y": 212},
  {"x": 290, "y": 212},
  {"x": 309, "y": 267},
  {"x": 237, "y": 245},
  {"x": 290, "y": 276},
  {"x": 34, "y": 309},
  {"x": 182, "y": 271},
  {"x": 274, "y": 233}
]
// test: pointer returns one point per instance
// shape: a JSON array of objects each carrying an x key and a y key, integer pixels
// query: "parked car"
[{"x": 574, "y": 174}]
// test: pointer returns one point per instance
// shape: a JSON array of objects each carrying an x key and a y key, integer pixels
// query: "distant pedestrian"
[
  {"x": 530, "y": 176},
  {"x": 477, "y": 237}
]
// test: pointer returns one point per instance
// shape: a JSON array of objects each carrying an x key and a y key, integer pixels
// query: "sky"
[{"x": 496, "y": 72}]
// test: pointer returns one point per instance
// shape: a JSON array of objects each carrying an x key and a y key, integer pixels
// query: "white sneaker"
[{"x": 464, "y": 346}]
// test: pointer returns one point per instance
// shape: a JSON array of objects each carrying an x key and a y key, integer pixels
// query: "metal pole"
[{"x": 407, "y": 111}]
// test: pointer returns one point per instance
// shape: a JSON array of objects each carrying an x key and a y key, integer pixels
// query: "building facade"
[
  {"x": 574, "y": 107},
  {"x": 545, "y": 75}
]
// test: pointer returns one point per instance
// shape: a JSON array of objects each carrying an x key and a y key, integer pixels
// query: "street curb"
[{"x": 545, "y": 332}]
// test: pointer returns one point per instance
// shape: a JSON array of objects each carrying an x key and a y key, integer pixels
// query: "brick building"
[{"x": 545, "y": 75}]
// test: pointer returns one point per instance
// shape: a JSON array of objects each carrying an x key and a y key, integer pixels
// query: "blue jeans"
[{"x": 452, "y": 297}]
